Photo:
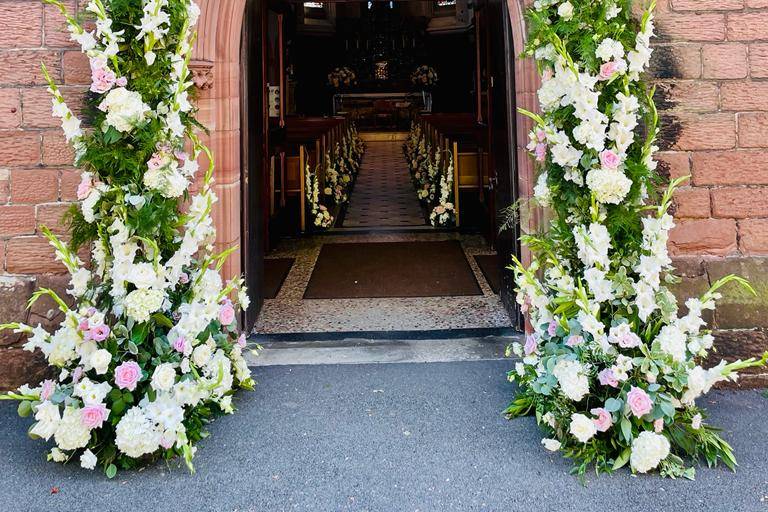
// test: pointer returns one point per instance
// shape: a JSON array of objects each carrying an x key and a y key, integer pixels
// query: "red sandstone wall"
[{"x": 711, "y": 61}]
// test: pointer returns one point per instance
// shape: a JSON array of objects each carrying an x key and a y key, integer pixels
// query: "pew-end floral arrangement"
[
  {"x": 150, "y": 351},
  {"x": 611, "y": 370},
  {"x": 432, "y": 176}
]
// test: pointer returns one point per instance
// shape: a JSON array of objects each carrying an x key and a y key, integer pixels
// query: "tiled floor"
[
  {"x": 383, "y": 195},
  {"x": 289, "y": 312}
]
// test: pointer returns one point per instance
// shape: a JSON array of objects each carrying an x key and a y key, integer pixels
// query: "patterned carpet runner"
[{"x": 383, "y": 195}]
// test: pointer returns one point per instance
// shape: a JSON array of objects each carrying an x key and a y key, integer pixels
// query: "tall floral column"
[
  {"x": 613, "y": 368},
  {"x": 151, "y": 351}
]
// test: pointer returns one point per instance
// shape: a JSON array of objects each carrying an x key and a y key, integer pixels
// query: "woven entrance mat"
[
  {"x": 275, "y": 272},
  {"x": 392, "y": 269},
  {"x": 489, "y": 265}
]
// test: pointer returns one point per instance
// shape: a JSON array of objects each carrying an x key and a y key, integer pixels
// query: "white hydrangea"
[
  {"x": 125, "y": 109},
  {"x": 572, "y": 379},
  {"x": 135, "y": 435},
  {"x": 140, "y": 304},
  {"x": 610, "y": 186},
  {"x": 648, "y": 450},
  {"x": 71, "y": 434}
]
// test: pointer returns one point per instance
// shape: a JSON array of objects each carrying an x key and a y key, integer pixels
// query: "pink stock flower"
[
  {"x": 574, "y": 341},
  {"x": 83, "y": 325},
  {"x": 48, "y": 387},
  {"x": 91, "y": 311},
  {"x": 226, "y": 314},
  {"x": 604, "y": 419},
  {"x": 93, "y": 416},
  {"x": 658, "y": 425},
  {"x": 541, "y": 152},
  {"x": 77, "y": 374},
  {"x": 552, "y": 328},
  {"x": 531, "y": 344},
  {"x": 103, "y": 80},
  {"x": 541, "y": 135},
  {"x": 241, "y": 341},
  {"x": 127, "y": 375},
  {"x": 100, "y": 332},
  {"x": 85, "y": 187},
  {"x": 639, "y": 402},
  {"x": 609, "y": 159},
  {"x": 121, "y": 82},
  {"x": 607, "y": 70},
  {"x": 608, "y": 378}
]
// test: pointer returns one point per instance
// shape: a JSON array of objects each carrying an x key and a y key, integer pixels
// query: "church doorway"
[{"x": 378, "y": 152}]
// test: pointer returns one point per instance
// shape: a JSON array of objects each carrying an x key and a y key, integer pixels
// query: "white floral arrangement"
[
  {"x": 444, "y": 212},
  {"x": 612, "y": 369},
  {"x": 321, "y": 217},
  {"x": 151, "y": 350},
  {"x": 342, "y": 77},
  {"x": 424, "y": 76}
]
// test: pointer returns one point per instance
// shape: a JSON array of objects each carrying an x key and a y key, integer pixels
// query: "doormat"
[
  {"x": 392, "y": 269},
  {"x": 489, "y": 265},
  {"x": 275, "y": 272}
]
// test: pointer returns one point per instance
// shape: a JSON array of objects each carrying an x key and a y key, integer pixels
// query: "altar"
[{"x": 375, "y": 109}]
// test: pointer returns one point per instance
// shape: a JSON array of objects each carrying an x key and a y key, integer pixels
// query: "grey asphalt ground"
[{"x": 384, "y": 437}]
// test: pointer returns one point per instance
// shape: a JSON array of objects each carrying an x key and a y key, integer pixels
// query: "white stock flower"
[
  {"x": 648, "y": 450},
  {"x": 541, "y": 190},
  {"x": 582, "y": 427},
  {"x": 593, "y": 244},
  {"x": 609, "y": 49}
]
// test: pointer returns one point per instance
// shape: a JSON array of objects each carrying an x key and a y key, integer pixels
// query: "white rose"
[
  {"x": 551, "y": 444},
  {"x": 201, "y": 355},
  {"x": 88, "y": 460},
  {"x": 100, "y": 361},
  {"x": 164, "y": 377},
  {"x": 648, "y": 450},
  {"x": 582, "y": 427},
  {"x": 565, "y": 11}
]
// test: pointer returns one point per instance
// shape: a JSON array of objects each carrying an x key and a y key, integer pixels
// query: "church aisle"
[{"x": 383, "y": 195}]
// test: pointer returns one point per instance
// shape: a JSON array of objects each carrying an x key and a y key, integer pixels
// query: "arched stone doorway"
[{"x": 218, "y": 74}]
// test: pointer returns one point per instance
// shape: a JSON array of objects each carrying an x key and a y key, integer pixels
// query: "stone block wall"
[{"x": 711, "y": 69}]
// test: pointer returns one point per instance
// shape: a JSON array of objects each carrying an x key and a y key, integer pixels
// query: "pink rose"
[
  {"x": 609, "y": 159},
  {"x": 607, "y": 70},
  {"x": 103, "y": 80},
  {"x": 48, "y": 387},
  {"x": 93, "y": 416},
  {"x": 184, "y": 278},
  {"x": 574, "y": 341},
  {"x": 100, "y": 332},
  {"x": 541, "y": 152},
  {"x": 127, "y": 375},
  {"x": 608, "y": 378},
  {"x": 604, "y": 419},
  {"x": 226, "y": 314},
  {"x": 121, "y": 82},
  {"x": 639, "y": 402},
  {"x": 531, "y": 345},
  {"x": 241, "y": 341},
  {"x": 180, "y": 344},
  {"x": 658, "y": 425},
  {"x": 84, "y": 188}
]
